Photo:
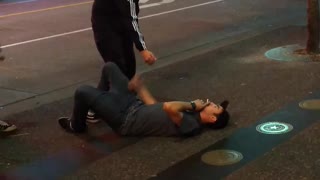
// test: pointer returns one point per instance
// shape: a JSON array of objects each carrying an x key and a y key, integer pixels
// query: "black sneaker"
[
  {"x": 92, "y": 117},
  {"x": 65, "y": 123},
  {"x": 5, "y": 127}
]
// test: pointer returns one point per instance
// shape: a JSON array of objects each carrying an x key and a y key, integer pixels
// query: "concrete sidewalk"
[{"x": 239, "y": 72}]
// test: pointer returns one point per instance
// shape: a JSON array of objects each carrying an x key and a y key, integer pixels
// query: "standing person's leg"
[
  {"x": 130, "y": 58},
  {"x": 110, "y": 46}
]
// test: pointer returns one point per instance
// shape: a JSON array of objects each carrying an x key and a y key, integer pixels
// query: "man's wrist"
[{"x": 193, "y": 105}]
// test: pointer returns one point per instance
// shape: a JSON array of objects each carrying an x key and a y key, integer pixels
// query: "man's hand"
[
  {"x": 200, "y": 104},
  {"x": 148, "y": 57},
  {"x": 135, "y": 83}
]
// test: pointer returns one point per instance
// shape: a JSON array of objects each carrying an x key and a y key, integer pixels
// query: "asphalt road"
[
  {"x": 45, "y": 40},
  {"x": 50, "y": 51}
]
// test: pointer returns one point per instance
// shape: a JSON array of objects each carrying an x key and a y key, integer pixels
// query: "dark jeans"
[
  {"x": 114, "y": 45},
  {"x": 110, "y": 100}
]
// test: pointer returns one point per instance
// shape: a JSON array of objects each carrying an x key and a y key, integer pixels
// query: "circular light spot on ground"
[
  {"x": 313, "y": 104},
  {"x": 221, "y": 157},
  {"x": 274, "y": 128},
  {"x": 286, "y": 53}
]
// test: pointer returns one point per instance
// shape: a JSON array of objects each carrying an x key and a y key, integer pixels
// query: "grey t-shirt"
[{"x": 152, "y": 120}]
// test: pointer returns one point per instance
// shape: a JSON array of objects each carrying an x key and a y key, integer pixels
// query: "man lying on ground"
[{"x": 115, "y": 101}]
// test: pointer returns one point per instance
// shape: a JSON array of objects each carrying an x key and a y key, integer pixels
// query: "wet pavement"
[{"x": 259, "y": 90}]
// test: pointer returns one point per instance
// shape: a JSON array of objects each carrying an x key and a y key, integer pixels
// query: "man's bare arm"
[
  {"x": 146, "y": 96},
  {"x": 137, "y": 85},
  {"x": 175, "y": 108}
]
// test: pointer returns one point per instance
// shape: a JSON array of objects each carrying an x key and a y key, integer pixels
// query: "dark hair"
[{"x": 223, "y": 118}]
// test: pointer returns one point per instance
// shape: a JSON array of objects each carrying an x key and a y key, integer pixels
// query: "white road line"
[
  {"x": 180, "y": 9},
  {"x": 87, "y": 29},
  {"x": 22, "y": 134},
  {"x": 44, "y": 38},
  {"x": 143, "y": 1},
  {"x": 72, "y": 5},
  {"x": 156, "y": 4},
  {"x": 8, "y": 4}
]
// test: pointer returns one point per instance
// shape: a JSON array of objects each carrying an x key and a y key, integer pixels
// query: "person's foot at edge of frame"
[{"x": 6, "y": 127}]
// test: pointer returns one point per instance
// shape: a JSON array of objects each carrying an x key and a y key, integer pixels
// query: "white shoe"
[
  {"x": 5, "y": 127},
  {"x": 92, "y": 117}
]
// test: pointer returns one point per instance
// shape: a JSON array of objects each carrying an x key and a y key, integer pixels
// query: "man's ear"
[{"x": 213, "y": 118}]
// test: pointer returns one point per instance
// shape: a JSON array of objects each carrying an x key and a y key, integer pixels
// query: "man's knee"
[
  {"x": 109, "y": 67},
  {"x": 83, "y": 91}
]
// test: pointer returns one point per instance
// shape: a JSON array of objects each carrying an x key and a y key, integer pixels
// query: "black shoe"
[{"x": 65, "y": 123}]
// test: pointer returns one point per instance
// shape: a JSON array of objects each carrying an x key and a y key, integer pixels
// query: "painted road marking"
[
  {"x": 143, "y": 1},
  {"x": 17, "y": 135},
  {"x": 78, "y": 4},
  {"x": 181, "y": 9},
  {"x": 310, "y": 104},
  {"x": 157, "y": 4},
  {"x": 274, "y": 128},
  {"x": 46, "y": 9},
  {"x": 87, "y": 29},
  {"x": 21, "y": 2},
  {"x": 44, "y": 38},
  {"x": 221, "y": 157}
]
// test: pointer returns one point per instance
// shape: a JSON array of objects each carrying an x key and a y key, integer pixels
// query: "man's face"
[{"x": 213, "y": 109}]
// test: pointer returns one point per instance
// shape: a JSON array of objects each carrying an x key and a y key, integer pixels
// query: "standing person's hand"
[{"x": 148, "y": 57}]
